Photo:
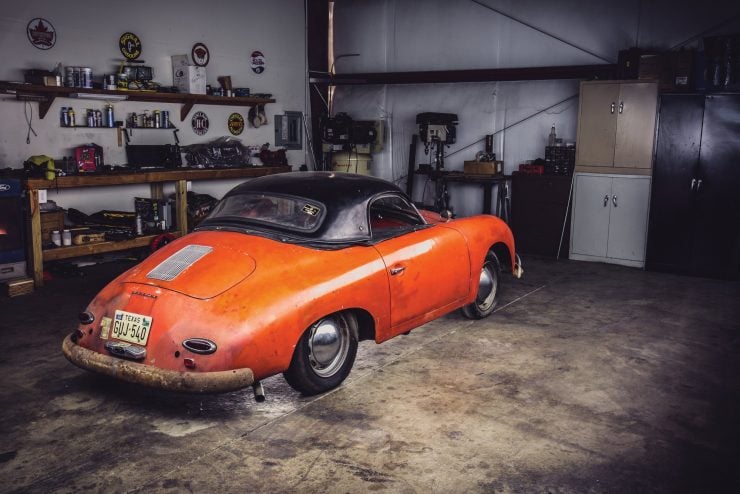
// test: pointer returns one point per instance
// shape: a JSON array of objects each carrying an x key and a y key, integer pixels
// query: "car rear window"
[{"x": 287, "y": 212}]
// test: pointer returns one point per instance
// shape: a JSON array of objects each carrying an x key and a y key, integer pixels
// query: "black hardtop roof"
[
  {"x": 345, "y": 196},
  {"x": 335, "y": 190}
]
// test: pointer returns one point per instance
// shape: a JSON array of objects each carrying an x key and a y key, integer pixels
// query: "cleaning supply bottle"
[{"x": 552, "y": 136}]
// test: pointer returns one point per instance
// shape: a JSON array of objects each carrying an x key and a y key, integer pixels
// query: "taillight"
[
  {"x": 201, "y": 346},
  {"x": 86, "y": 317}
]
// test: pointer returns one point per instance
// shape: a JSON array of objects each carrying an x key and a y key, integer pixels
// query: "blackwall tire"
[
  {"x": 489, "y": 289},
  {"x": 324, "y": 355}
]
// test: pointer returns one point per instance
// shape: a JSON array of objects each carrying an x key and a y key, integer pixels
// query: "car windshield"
[{"x": 287, "y": 212}]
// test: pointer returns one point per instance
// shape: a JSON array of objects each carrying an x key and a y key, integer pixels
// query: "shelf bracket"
[
  {"x": 185, "y": 109},
  {"x": 44, "y": 106}
]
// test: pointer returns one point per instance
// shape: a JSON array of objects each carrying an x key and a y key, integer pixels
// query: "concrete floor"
[{"x": 589, "y": 378}]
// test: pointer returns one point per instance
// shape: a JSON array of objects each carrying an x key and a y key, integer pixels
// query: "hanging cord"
[{"x": 29, "y": 120}]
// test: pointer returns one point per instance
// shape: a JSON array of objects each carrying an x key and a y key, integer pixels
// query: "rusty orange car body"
[{"x": 244, "y": 307}]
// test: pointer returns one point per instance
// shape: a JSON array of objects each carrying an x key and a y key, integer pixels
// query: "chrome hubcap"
[
  {"x": 328, "y": 345},
  {"x": 487, "y": 287}
]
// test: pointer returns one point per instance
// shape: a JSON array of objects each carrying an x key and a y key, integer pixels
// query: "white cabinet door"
[
  {"x": 591, "y": 205},
  {"x": 628, "y": 218}
]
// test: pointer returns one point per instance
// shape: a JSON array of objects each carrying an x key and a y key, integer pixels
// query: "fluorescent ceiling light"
[{"x": 106, "y": 97}]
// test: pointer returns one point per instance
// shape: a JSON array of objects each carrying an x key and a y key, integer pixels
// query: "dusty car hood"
[{"x": 198, "y": 265}]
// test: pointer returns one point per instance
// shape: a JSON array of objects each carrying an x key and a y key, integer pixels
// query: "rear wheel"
[
  {"x": 488, "y": 289},
  {"x": 324, "y": 355}
]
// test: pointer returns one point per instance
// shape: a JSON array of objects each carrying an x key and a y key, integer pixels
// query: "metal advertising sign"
[
  {"x": 236, "y": 123},
  {"x": 200, "y": 54},
  {"x": 199, "y": 122},
  {"x": 130, "y": 46},
  {"x": 258, "y": 62},
  {"x": 41, "y": 33}
]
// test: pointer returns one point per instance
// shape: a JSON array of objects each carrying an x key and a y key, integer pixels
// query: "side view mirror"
[{"x": 446, "y": 214}]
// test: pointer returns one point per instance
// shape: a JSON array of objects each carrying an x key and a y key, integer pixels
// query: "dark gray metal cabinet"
[
  {"x": 538, "y": 208},
  {"x": 695, "y": 203}
]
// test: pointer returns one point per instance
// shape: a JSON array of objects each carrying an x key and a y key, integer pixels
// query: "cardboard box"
[
  {"x": 483, "y": 167},
  {"x": 188, "y": 78}
]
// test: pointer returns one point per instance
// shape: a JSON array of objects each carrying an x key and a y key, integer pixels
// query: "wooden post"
[
  {"x": 181, "y": 192},
  {"x": 35, "y": 256}
]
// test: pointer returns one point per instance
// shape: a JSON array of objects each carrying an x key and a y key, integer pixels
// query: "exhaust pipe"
[{"x": 259, "y": 392}]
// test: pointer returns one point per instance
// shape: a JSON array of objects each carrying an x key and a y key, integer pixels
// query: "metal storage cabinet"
[
  {"x": 695, "y": 210},
  {"x": 610, "y": 218},
  {"x": 616, "y": 125},
  {"x": 539, "y": 204}
]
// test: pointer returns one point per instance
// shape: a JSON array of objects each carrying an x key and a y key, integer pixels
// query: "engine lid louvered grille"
[{"x": 178, "y": 262}]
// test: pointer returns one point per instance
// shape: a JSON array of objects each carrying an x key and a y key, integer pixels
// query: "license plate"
[{"x": 131, "y": 327}]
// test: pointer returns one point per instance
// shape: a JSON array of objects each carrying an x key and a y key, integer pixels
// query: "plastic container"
[
  {"x": 66, "y": 238},
  {"x": 56, "y": 238}
]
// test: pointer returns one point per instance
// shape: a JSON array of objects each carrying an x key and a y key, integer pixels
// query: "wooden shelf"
[
  {"x": 45, "y": 96},
  {"x": 99, "y": 248},
  {"x": 96, "y": 179}
]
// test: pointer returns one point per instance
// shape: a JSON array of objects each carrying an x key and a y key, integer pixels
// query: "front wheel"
[
  {"x": 488, "y": 290},
  {"x": 324, "y": 354}
]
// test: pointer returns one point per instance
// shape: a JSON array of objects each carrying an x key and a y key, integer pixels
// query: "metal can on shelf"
[
  {"x": 86, "y": 77},
  {"x": 64, "y": 117},
  {"x": 165, "y": 119},
  {"x": 157, "y": 119},
  {"x": 109, "y": 119}
]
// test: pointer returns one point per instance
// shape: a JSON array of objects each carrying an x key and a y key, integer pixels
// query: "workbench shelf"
[
  {"x": 155, "y": 178},
  {"x": 45, "y": 96}
]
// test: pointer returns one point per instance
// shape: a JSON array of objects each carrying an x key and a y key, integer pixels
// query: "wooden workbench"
[{"x": 37, "y": 255}]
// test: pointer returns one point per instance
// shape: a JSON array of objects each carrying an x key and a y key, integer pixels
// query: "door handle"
[
  {"x": 606, "y": 200},
  {"x": 698, "y": 185},
  {"x": 621, "y": 106},
  {"x": 397, "y": 270},
  {"x": 614, "y": 105},
  {"x": 693, "y": 183},
  {"x": 614, "y": 200}
]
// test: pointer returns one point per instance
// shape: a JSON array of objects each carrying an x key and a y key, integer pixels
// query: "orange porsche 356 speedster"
[{"x": 287, "y": 274}]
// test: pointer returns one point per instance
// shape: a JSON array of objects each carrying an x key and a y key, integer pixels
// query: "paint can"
[{"x": 85, "y": 77}]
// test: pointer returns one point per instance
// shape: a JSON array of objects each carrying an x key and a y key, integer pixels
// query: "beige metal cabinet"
[
  {"x": 609, "y": 222},
  {"x": 616, "y": 126}
]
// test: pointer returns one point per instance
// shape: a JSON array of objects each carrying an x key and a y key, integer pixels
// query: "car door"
[{"x": 428, "y": 266}]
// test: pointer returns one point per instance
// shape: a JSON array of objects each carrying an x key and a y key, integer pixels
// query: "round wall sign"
[
  {"x": 200, "y": 123},
  {"x": 41, "y": 33},
  {"x": 258, "y": 62},
  {"x": 236, "y": 123},
  {"x": 200, "y": 54},
  {"x": 130, "y": 46}
]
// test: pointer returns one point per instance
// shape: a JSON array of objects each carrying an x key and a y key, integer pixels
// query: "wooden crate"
[
  {"x": 18, "y": 286},
  {"x": 50, "y": 221},
  {"x": 483, "y": 167}
]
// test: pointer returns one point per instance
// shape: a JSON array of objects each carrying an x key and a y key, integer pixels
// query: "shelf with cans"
[{"x": 46, "y": 95}]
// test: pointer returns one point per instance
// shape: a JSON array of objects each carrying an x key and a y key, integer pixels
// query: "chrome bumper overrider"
[
  {"x": 518, "y": 267},
  {"x": 189, "y": 382}
]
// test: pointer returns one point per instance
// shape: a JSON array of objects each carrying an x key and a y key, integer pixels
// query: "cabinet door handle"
[
  {"x": 614, "y": 200},
  {"x": 698, "y": 185},
  {"x": 621, "y": 106},
  {"x": 606, "y": 200},
  {"x": 693, "y": 183},
  {"x": 614, "y": 105}
]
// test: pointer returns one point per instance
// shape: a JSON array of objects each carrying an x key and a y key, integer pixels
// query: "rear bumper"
[{"x": 133, "y": 372}]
